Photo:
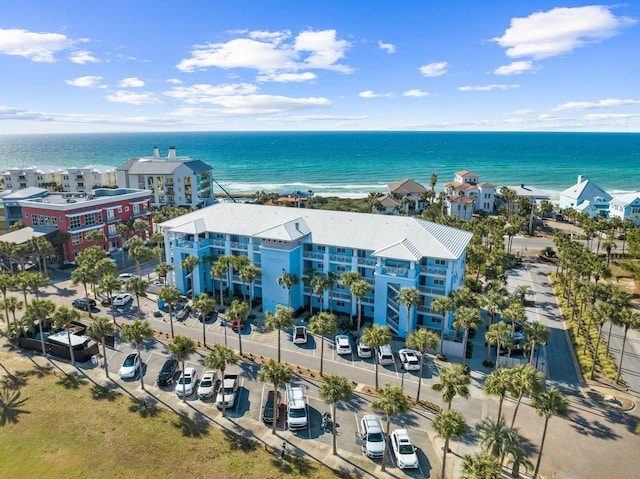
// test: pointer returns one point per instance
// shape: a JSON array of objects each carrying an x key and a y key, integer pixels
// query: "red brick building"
[{"x": 77, "y": 214}]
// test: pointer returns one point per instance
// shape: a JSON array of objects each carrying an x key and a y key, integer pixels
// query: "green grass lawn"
[{"x": 59, "y": 426}]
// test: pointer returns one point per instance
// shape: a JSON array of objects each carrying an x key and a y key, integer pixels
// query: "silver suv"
[{"x": 371, "y": 436}]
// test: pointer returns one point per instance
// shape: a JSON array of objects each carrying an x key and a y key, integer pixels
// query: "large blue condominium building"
[{"x": 389, "y": 252}]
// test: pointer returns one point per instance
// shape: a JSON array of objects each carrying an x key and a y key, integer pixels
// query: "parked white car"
[
  {"x": 403, "y": 449},
  {"x": 130, "y": 366},
  {"x": 409, "y": 360},
  {"x": 371, "y": 436},
  {"x": 122, "y": 299},
  {"x": 299, "y": 335},
  {"x": 207, "y": 384},
  {"x": 186, "y": 385},
  {"x": 364, "y": 350},
  {"x": 343, "y": 345}
]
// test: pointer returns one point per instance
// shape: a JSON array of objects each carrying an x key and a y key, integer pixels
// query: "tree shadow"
[
  {"x": 102, "y": 393},
  {"x": 10, "y": 403},
  {"x": 71, "y": 381},
  {"x": 293, "y": 464},
  {"x": 144, "y": 408},
  {"x": 191, "y": 427},
  {"x": 239, "y": 443}
]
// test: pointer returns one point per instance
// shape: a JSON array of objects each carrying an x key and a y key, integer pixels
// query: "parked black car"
[
  {"x": 168, "y": 371},
  {"x": 81, "y": 303}
]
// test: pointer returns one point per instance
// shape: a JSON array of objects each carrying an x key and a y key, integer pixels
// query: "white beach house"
[
  {"x": 467, "y": 184},
  {"x": 389, "y": 252},
  {"x": 626, "y": 207},
  {"x": 586, "y": 190}
]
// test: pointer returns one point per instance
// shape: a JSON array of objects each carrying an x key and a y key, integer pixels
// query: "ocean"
[{"x": 352, "y": 164}]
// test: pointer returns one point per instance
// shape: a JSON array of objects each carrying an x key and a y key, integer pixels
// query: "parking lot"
[{"x": 252, "y": 395}]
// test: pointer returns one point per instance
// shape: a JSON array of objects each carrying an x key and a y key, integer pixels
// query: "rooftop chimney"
[
  {"x": 172, "y": 153},
  {"x": 156, "y": 152},
  {"x": 522, "y": 185},
  {"x": 580, "y": 178}
]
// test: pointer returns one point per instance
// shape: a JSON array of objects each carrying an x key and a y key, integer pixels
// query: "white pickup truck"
[{"x": 228, "y": 391}]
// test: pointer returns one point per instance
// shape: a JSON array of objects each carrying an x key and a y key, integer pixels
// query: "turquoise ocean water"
[{"x": 356, "y": 163}]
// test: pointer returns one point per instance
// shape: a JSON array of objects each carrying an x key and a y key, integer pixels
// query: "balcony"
[
  {"x": 401, "y": 272},
  {"x": 338, "y": 258},
  {"x": 202, "y": 243},
  {"x": 114, "y": 219},
  {"x": 367, "y": 261},
  {"x": 433, "y": 270},
  {"x": 143, "y": 212},
  {"x": 236, "y": 245},
  {"x": 313, "y": 255},
  {"x": 435, "y": 290}
]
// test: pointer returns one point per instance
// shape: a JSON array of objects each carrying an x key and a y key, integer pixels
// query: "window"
[
  {"x": 438, "y": 282},
  {"x": 89, "y": 219},
  {"x": 74, "y": 222},
  {"x": 136, "y": 208},
  {"x": 76, "y": 238},
  {"x": 112, "y": 230},
  {"x": 441, "y": 262},
  {"x": 341, "y": 250},
  {"x": 341, "y": 268}
]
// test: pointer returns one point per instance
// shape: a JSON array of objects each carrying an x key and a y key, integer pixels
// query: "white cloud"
[
  {"x": 434, "y": 69},
  {"x": 416, "y": 92},
  {"x": 133, "y": 98},
  {"x": 204, "y": 93},
  {"x": 83, "y": 57},
  {"x": 174, "y": 81},
  {"x": 588, "y": 105},
  {"x": 242, "y": 105},
  {"x": 324, "y": 50},
  {"x": 610, "y": 116},
  {"x": 85, "y": 82},
  {"x": 272, "y": 53},
  {"x": 514, "y": 68},
  {"x": 131, "y": 82},
  {"x": 487, "y": 87},
  {"x": 286, "y": 77},
  {"x": 37, "y": 47},
  {"x": 524, "y": 111},
  {"x": 387, "y": 47},
  {"x": 371, "y": 94},
  {"x": 559, "y": 31}
]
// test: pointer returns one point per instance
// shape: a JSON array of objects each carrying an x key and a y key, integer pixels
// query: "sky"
[{"x": 75, "y": 66}]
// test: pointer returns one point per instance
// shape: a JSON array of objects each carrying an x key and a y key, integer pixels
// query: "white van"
[{"x": 385, "y": 355}]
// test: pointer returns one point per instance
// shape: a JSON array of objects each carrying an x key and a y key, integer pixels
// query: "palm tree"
[
  {"x": 40, "y": 310},
  {"x": 601, "y": 313},
  {"x": 410, "y": 297},
  {"x": 422, "y": 339},
  {"x": 108, "y": 285},
  {"x": 514, "y": 449},
  {"x": 182, "y": 347},
  {"x": 189, "y": 264},
  {"x": 283, "y": 318},
  {"x": 480, "y": 466},
  {"x": 12, "y": 304},
  {"x": 248, "y": 274},
  {"x": 454, "y": 381},
  {"x": 276, "y": 374},
  {"x": 375, "y": 336},
  {"x": 526, "y": 379},
  {"x": 137, "y": 332},
  {"x": 629, "y": 319},
  {"x": 62, "y": 319},
  {"x": 218, "y": 359},
  {"x": 122, "y": 229},
  {"x": 348, "y": 278},
  {"x": 6, "y": 281},
  {"x": 448, "y": 424},
  {"x": 138, "y": 287},
  {"x": 499, "y": 334},
  {"x": 392, "y": 401},
  {"x": 335, "y": 388},
  {"x": 219, "y": 270},
  {"x": 288, "y": 281},
  {"x": 332, "y": 279},
  {"x": 319, "y": 284},
  {"x": 492, "y": 434},
  {"x": 163, "y": 270},
  {"x": 494, "y": 302},
  {"x": 321, "y": 325},
  {"x": 136, "y": 248},
  {"x": 442, "y": 306},
  {"x": 170, "y": 295},
  {"x": 537, "y": 334},
  {"x": 98, "y": 329},
  {"x": 359, "y": 289},
  {"x": 547, "y": 404},
  {"x": 206, "y": 306},
  {"x": 239, "y": 311},
  {"x": 84, "y": 275},
  {"x": 498, "y": 383},
  {"x": 466, "y": 318}
]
